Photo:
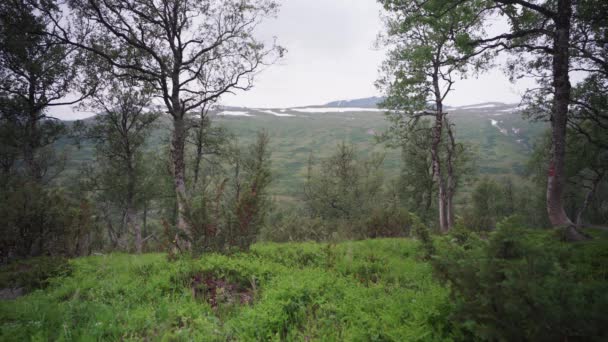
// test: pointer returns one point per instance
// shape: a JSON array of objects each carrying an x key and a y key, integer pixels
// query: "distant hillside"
[
  {"x": 368, "y": 102},
  {"x": 501, "y": 139}
]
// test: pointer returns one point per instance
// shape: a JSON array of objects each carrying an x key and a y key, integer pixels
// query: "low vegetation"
[
  {"x": 367, "y": 290},
  {"x": 496, "y": 287}
]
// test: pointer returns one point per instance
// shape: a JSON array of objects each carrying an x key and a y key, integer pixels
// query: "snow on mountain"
[
  {"x": 275, "y": 113},
  {"x": 366, "y": 102},
  {"x": 234, "y": 113},
  {"x": 334, "y": 109}
]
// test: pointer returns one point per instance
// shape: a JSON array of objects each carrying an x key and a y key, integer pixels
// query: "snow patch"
[
  {"x": 335, "y": 110},
  {"x": 234, "y": 113},
  {"x": 491, "y": 105},
  {"x": 275, "y": 113},
  {"x": 502, "y": 130}
]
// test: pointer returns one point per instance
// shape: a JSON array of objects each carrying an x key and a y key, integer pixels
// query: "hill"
[
  {"x": 501, "y": 139},
  {"x": 368, "y": 102}
]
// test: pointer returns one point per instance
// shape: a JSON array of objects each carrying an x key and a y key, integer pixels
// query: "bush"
[
  {"x": 33, "y": 273},
  {"x": 36, "y": 221},
  {"x": 388, "y": 222},
  {"x": 380, "y": 222},
  {"x": 525, "y": 285},
  {"x": 287, "y": 227}
]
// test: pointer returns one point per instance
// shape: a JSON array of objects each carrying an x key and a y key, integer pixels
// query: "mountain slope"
[
  {"x": 500, "y": 138},
  {"x": 368, "y": 102}
]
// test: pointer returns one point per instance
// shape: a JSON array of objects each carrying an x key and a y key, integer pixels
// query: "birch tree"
[
  {"x": 427, "y": 51},
  {"x": 191, "y": 52}
]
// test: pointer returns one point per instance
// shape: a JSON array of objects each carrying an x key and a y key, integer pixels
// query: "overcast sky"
[{"x": 331, "y": 57}]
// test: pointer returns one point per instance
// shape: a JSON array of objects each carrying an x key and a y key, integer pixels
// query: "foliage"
[
  {"x": 367, "y": 290},
  {"x": 587, "y": 166},
  {"x": 343, "y": 185},
  {"x": 189, "y": 53},
  {"x": 525, "y": 284},
  {"x": 491, "y": 201},
  {"x": 119, "y": 178},
  {"x": 36, "y": 73},
  {"x": 415, "y": 186},
  {"x": 427, "y": 50},
  {"x": 33, "y": 273},
  {"x": 232, "y": 206},
  {"x": 37, "y": 221}
]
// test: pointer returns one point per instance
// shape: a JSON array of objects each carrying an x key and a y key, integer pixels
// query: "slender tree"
[
  {"x": 120, "y": 131},
  {"x": 189, "y": 51},
  {"x": 36, "y": 73},
  {"x": 427, "y": 52},
  {"x": 417, "y": 187},
  {"x": 208, "y": 140},
  {"x": 549, "y": 38}
]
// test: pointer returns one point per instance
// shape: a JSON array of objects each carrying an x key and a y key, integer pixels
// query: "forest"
[{"x": 168, "y": 216}]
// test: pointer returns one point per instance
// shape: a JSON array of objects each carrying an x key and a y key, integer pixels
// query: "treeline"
[
  {"x": 175, "y": 63},
  {"x": 434, "y": 44},
  {"x": 203, "y": 191}
]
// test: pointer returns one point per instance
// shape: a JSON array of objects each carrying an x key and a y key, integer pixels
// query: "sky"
[{"x": 331, "y": 56}]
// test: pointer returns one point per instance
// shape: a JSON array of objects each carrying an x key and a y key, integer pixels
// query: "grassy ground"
[
  {"x": 361, "y": 291},
  {"x": 506, "y": 282}
]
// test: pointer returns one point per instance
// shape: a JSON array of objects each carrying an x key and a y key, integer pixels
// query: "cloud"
[{"x": 331, "y": 57}]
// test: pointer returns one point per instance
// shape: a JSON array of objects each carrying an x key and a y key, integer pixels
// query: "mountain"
[
  {"x": 497, "y": 134},
  {"x": 367, "y": 102}
]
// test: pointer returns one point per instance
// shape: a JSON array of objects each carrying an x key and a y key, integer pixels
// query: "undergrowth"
[
  {"x": 366, "y": 290},
  {"x": 508, "y": 285}
]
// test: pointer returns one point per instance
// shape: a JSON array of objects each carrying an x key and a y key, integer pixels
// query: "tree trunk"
[
  {"x": 561, "y": 84},
  {"x": 451, "y": 186},
  {"x": 123, "y": 232},
  {"x": 200, "y": 140},
  {"x": 437, "y": 129},
  {"x": 197, "y": 163},
  {"x": 131, "y": 212},
  {"x": 594, "y": 184},
  {"x": 145, "y": 219},
  {"x": 31, "y": 145},
  {"x": 179, "y": 181},
  {"x": 133, "y": 224}
]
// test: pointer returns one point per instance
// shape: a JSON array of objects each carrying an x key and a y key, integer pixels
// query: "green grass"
[
  {"x": 371, "y": 290},
  {"x": 360, "y": 291}
]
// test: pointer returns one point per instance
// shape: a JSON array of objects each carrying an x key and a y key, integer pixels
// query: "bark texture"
[
  {"x": 556, "y": 176},
  {"x": 437, "y": 129},
  {"x": 178, "y": 140},
  {"x": 451, "y": 177},
  {"x": 561, "y": 85}
]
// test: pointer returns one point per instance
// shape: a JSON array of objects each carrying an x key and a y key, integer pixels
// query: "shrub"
[
  {"x": 294, "y": 227},
  {"x": 36, "y": 221},
  {"x": 388, "y": 222},
  {"x": 525, "y": 285},
  {"x": 33, "y": 273}
]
